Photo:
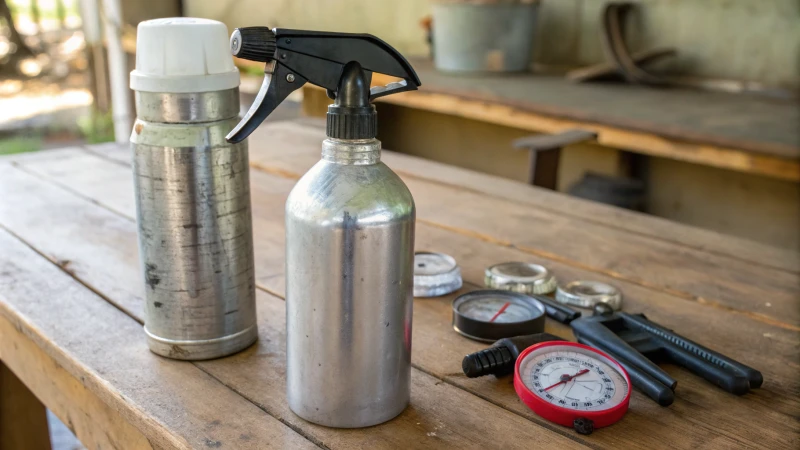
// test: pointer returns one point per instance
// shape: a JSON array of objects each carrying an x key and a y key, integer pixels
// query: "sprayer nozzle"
[{"x": 253, "y": 43}]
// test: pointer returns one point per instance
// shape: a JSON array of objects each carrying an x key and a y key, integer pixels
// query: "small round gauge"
[
  {"x": 489, "y": 315},
  {"x": 567, "y": 381}
]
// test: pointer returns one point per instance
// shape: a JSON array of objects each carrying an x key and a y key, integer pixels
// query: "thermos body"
[
  {"x": 349, "y": 279},
  {"x": 195, "y": 226}
]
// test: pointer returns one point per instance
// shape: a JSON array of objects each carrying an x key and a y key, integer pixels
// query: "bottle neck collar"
[
  {"x": 198, "y": 107},
  {"x": 351, "y": 152}
]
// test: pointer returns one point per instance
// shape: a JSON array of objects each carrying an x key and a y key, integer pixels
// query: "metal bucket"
[{"x": 483, "y": 37}]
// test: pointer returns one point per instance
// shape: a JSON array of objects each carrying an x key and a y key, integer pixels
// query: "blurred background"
[{"x": 681, "y": 109}]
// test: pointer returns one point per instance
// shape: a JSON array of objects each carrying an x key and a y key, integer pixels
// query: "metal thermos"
[
  {"x": 192, "y": 192},
  {"x": 349, "y": 231}
]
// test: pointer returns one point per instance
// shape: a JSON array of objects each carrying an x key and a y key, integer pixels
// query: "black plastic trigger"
[{"x": 275, "y": 88}]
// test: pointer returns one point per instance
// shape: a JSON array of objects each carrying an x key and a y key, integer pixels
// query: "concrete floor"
[{"x": 61, "y": 438}]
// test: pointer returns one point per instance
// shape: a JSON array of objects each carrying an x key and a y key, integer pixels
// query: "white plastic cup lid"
[
  {"x": 183, "y": 54},
  {"x": 435, "y": 274}
]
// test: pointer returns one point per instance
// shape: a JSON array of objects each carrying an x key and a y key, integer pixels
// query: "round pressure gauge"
[
  {"x": 572, "y": 384},
  {"x": 489, "y": 315}
]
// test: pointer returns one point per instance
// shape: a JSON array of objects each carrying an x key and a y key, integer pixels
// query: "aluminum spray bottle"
[
  {"x": 192, "y": 192},
  {"x": 349, "y": 231}
]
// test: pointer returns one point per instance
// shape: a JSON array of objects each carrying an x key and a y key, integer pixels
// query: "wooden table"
[
  {"x": 71, "y": 313},
  {"x": 746, "y": 133}
]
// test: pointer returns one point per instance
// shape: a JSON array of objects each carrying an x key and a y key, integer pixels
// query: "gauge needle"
[
  {"x": 501, "y": 311},
  {"x": 566, "y": 378}
]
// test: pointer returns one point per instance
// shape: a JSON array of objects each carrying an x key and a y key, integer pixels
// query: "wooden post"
[
  {"x": 23, "y": 418},
  {"x": 545, "y": 152}
]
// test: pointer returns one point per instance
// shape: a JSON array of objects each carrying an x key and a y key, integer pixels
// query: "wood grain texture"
[
  {"x": 172, "y": 404},
  {"x": 728, "y": 131},
  {"x": 763, "y": 416},
  {"x": 435, "y": 417},
  {"x": 685, "y": 271},
  {"x": 23, "y": 418},
  {"x": 94, "y": 423},
  {"x": 439, "y": 416},
  {"x": 614, "y": 137},
  {"x": 277, "y": 144},
  {"x": 701, "y": 117}
]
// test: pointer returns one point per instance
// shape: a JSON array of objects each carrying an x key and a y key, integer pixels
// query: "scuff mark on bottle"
[{"x": 151, "y": 278}]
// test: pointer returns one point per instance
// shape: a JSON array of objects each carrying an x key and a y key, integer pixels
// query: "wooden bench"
[
  {"x": 71, "y": 313},
  {"x": 745, "y": 133}
]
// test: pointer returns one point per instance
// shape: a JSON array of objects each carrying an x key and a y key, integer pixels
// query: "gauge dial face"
[
  {"x": 497, "y": 309},
  {"x": 574, "y": 378}
]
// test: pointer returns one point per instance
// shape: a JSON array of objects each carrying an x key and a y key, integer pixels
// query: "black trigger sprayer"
[{"x": 342, "y": 63}]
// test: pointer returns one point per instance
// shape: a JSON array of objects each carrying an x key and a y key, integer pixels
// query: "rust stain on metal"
[{"x": 177, "y": 351}]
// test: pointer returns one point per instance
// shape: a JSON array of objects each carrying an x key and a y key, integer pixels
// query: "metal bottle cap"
[
  {"x": 587, "y": 294},
  {"x": 521, "y": 277},
  {"x": 435, "y": 274}
]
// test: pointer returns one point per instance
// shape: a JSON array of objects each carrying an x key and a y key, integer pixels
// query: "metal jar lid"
[
  {"x": 435, "y": 274},
  {"x": 587, "y": 294},
  {"x": 521, "y": 277}
]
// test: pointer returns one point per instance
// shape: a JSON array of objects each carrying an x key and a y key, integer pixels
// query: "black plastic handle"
[
  {"x": 713, "y": 366},
  {"x": 274, "y": 90},
  {"x": 592, "y": 329},
  {"x": 372, "y": 53},
  {"x": 557, "y": 311},
  {"x": 640, "y": 379}
]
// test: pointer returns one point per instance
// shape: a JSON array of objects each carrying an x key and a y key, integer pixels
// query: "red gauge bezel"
[{"x": 566, "y": 416}]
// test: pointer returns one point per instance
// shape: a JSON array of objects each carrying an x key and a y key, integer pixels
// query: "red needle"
[
  {"x": 566, "y": 380},
  {"x": 501, "y": 311}
]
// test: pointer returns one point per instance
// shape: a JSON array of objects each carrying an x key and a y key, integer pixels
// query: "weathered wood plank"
[
  {"x": 776, "y": 160},
  {"x": 442, "y": 349},
  {"x": 440, "y": 414},
  {"x": 696, "y": 117},
  {"x": 172, "y": 404},
  {"x": 23, "y": 418},
  {"x": 278, "y": 143},
  {"x": 684, "y": 271},
  {"x": 438, "y": 350},
  {"x": 94, "y": 422},
  {"x": 285, "y": 145},
  {"x": 637, "y": 142}
]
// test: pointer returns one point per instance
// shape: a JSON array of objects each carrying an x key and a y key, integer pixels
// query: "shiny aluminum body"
[
  {"x": 195, "y": 226},
  {"x": 349, "y": 280}
]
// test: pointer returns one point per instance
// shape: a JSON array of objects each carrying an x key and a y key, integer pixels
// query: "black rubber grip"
[{"x": 493, "y": 360}]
